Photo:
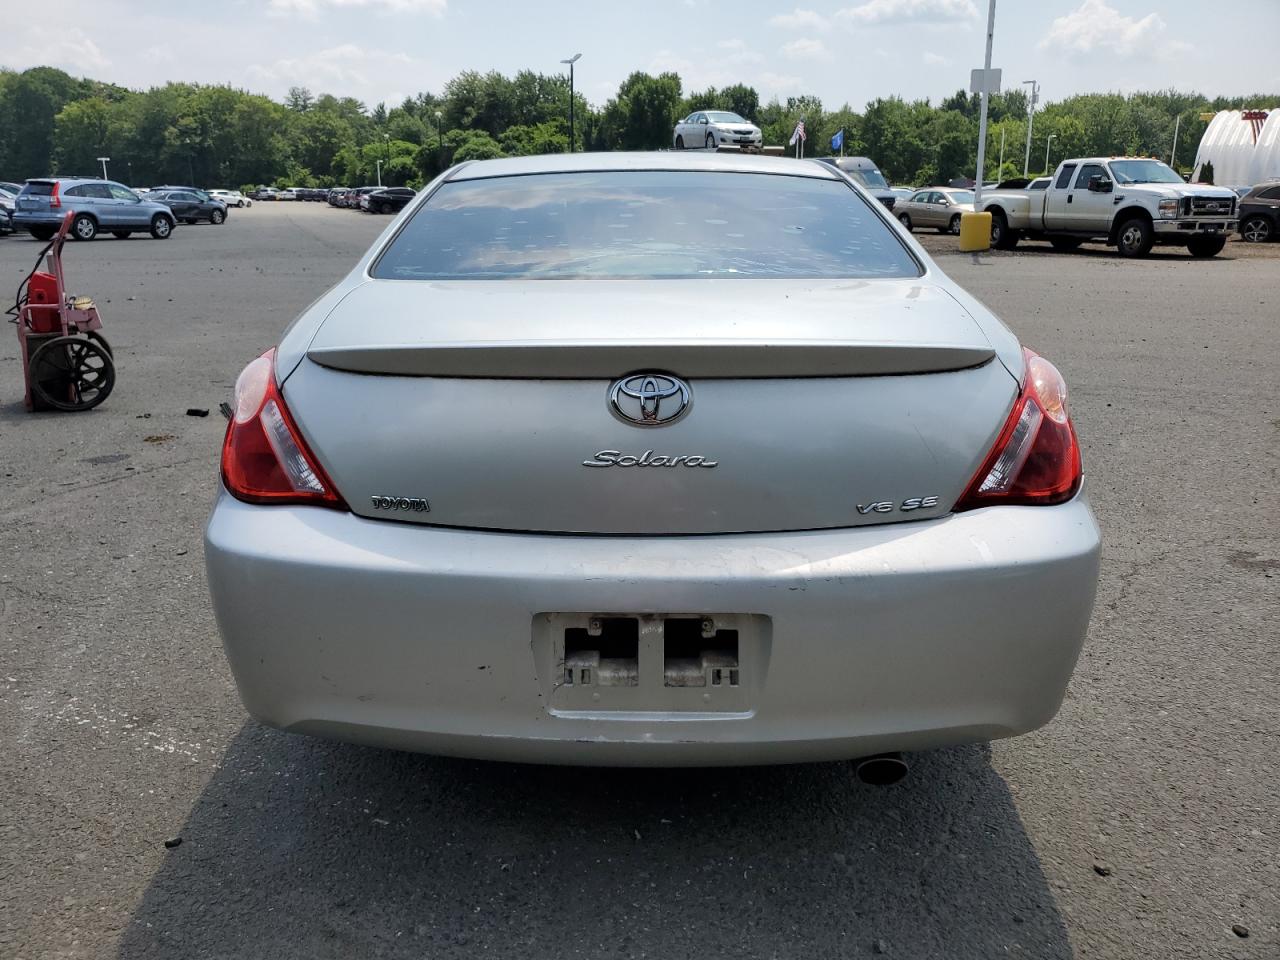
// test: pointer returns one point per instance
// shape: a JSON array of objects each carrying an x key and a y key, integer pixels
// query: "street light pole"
[
  {"x": 1031, "y": 116},
  {"x": 1173, "y": 154},
  {"x": 982, "y": 119},
  {"x": 440, "y": 139},
  {"x": 571, "y": 61},
  {"x": 103, "y": 161},
  {"x": 1052, "y": 137},
  {"x": 1000, "y": 169},
  {"x": 379, "y": 168}
]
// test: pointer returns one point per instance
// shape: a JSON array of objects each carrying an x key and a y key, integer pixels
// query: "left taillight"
[
  {"x": 264, "y": 458},
  {"x": 1036, "y": 459}
]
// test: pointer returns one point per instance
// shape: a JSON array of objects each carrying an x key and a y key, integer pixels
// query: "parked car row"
[
  {"x": 313, "y": 194},
  {"x": 103, "y": 206},
  {"x": 371, "y": 199}
]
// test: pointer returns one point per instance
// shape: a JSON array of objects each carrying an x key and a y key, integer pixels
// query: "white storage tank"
[{"x": 1243, "y": 146}]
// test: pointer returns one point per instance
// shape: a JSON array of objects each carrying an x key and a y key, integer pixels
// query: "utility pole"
[
  {"x": 982, "y": 117},
  {"x": 1031, "y": 111},
  {"x": 571, "y": 61}
]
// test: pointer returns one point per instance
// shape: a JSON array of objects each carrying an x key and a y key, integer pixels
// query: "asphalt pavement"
[{"x": 142, "y": 815}]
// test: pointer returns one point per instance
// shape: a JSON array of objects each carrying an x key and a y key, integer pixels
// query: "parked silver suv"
[{"x": 98, "y": 205}]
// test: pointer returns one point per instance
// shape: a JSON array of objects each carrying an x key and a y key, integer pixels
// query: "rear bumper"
[
  {"x": 904, "y": 636},
  {"x": 24, "y": 219}
]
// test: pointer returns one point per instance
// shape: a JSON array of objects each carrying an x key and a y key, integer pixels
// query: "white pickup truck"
[{"x": 1130, "y": 203}]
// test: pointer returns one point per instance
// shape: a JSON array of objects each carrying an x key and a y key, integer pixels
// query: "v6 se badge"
[{"x": 890, "y": 506}]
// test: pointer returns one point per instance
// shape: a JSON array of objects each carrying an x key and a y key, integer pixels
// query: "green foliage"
[
  {"x": 51, "y": 122},
  {"x": 473, "y": 145},
  {"x": 642, "y": 115}
]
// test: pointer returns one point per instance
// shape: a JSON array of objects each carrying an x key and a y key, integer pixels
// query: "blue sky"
[{"x": 840, "y": 50}]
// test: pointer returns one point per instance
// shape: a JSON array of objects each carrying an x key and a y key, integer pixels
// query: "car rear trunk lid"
[{"x": 487, "y": 404}]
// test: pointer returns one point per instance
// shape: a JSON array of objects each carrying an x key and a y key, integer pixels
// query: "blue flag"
[{"x": 837, "y": 142}]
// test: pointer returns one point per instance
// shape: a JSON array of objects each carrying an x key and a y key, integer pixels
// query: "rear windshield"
[
  {"x": 868, "y": 177},
  {"x": 651, "y": 224},
  {"x": 38, "y": 188}
]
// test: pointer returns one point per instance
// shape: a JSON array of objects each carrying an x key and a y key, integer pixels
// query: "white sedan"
[
  {"x": 232, "y": 198},
  {"x": 708, "y": 129}
]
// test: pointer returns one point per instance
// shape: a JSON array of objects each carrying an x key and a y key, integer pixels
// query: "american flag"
[{"x": 797, "y": 134}]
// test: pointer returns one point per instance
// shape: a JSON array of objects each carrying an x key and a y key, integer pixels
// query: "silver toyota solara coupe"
[{"x": 651, "y": 459}]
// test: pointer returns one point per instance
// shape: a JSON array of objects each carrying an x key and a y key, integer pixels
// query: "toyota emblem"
[{"x": 649, "y": 399}]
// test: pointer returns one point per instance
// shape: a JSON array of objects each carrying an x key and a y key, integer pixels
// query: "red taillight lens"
[
  {"x": 264, "y": 458},
  {"x": 55, "y": 201},
  {"x": 1036, "y": 459}
]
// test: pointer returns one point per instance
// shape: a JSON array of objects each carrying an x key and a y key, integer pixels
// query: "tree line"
[{"x": 212, "y": 135}]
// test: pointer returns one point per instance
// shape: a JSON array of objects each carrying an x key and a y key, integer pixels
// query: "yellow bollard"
[{"x": 975, "y": 232}]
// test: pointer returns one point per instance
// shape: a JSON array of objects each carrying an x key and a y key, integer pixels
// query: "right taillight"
[
  {"x": 1036, "y": 459},
  {"x": 55, "y": 201}
]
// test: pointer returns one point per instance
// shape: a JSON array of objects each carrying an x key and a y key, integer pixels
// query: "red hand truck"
[{"x": 67, "y": 362}]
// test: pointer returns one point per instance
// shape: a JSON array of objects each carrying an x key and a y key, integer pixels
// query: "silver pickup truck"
[{"x": 1130, "y": 203}]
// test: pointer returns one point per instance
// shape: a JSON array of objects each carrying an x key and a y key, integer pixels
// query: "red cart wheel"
[{"x": 71, "y": 373}]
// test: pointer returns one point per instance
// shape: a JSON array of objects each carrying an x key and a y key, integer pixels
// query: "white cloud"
[
  {"x": 1095, "y": 26},
  {"x": 68, "y": 47},
  {"x": 772, "y": 84},
  {"x": 310, "y": 8},
  {"x": 737, "y": 51},
  {"x": 935, "y": 59},
  {"x": 698, "y": 73},
  {"x": 902, "y": 11},
  {"x": 346, "y": 64},
  {"x": 805, "y": 49},
  {"x": 799, "y": 20}
]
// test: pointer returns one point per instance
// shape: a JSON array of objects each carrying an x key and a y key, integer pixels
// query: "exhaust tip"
[{"x": 881, "y": 770}]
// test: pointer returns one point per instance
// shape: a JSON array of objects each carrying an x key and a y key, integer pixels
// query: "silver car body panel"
[
  {"x": 510, "y": 454},
  {"x": 441, "y": 628},
  {"x": 904, "y": 636}
]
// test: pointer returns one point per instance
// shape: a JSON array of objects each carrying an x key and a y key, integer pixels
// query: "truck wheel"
[
  {"x": 1256, "y": 229},
  {"x": 1002, "y": 238},
  {"x": 905, "y": 220},
  {"x": 1206, "y": 246},
  {"x": 1065, "y": 244},
  {"x": 1134, "y": 238}
]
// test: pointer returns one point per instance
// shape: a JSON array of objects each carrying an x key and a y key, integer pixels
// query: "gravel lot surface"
[{"x": 1143, "y": 822}]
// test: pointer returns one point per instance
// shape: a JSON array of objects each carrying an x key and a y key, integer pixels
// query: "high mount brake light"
[
  {"x": 1036, "y": 458},
  {"x": 264, "y": 458}
]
